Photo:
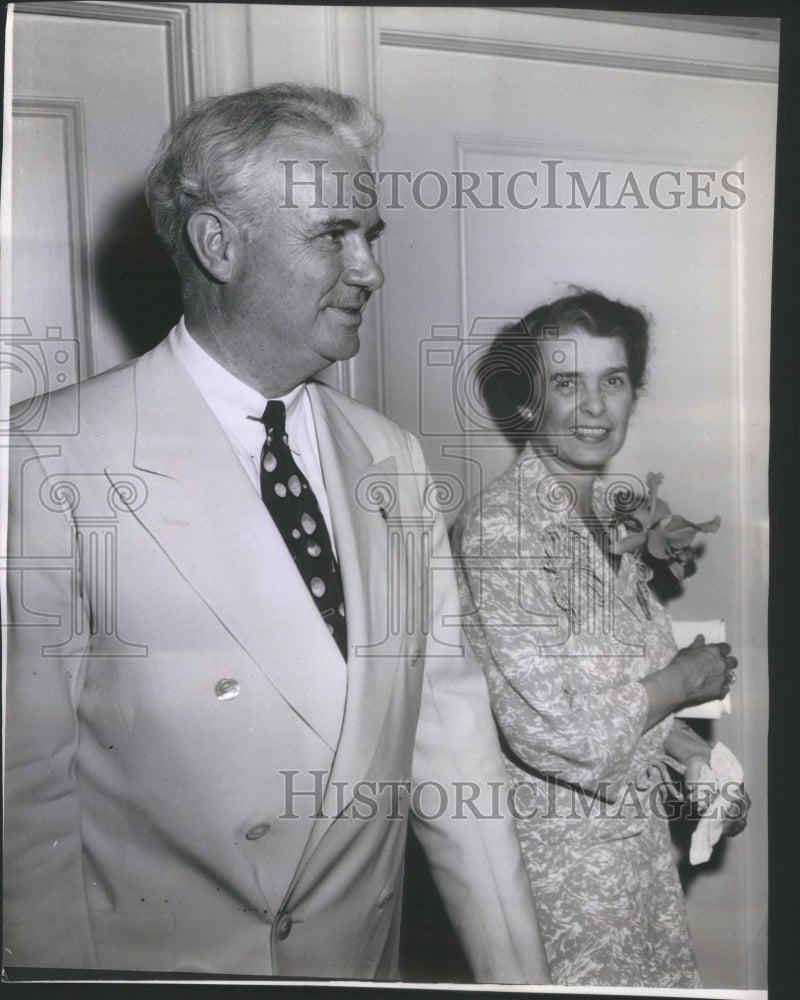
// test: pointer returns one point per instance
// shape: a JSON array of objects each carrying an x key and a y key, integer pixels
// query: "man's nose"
[{"x": 364, "y": 270}]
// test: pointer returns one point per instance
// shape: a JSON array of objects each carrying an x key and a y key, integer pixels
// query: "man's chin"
[
  {"x": 343, "y": 350},
  {"x": 349, "y": 345}
]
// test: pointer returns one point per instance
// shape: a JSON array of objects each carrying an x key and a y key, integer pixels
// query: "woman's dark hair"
[{"x": 510, "y": 375}]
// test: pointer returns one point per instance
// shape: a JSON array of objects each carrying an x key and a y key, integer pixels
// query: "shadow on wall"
[{"x": 136, "y": 280}]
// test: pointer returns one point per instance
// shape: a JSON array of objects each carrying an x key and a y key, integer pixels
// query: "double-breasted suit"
[{"x": 195, "y": 779}]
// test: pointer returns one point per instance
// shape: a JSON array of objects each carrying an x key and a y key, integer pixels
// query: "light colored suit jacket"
[{"x": 195, "y": 780}]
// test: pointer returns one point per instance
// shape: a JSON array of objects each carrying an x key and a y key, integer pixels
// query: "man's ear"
[{"x": 214, "y": 240}]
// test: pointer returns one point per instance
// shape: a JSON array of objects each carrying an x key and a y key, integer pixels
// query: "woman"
[{"x": 579, "y": 656}]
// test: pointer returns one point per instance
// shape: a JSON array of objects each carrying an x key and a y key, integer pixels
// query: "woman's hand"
[
  {"x": 698, "y": 781},
  {"x": 707, "y": 671},
  {"x": 736, "y": 810},
  {"x": 698, "y": 673},
  {"x": 702, "y": 790}
]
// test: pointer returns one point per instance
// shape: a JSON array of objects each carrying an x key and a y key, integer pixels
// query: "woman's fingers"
[
  {"x": 731, "y": 663},
  {"x": 706, "y": 670},
  {"x": 736, "y": 812},
  {"x": 725, "y": 668}
]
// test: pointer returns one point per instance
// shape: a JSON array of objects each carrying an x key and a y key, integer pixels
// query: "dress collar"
[{"x": 549, "y": 498}]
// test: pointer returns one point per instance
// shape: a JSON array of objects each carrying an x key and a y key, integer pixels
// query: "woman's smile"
[{"x": 588, "y": 400}]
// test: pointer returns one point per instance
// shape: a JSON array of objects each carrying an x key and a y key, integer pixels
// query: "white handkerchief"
[{"x": 725, "y": 768}]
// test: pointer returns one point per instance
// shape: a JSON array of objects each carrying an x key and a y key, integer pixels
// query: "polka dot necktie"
[{"x": 294, "y": 508}]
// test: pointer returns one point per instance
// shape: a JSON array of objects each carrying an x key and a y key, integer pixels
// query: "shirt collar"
[{"x": 230, "y": 399}]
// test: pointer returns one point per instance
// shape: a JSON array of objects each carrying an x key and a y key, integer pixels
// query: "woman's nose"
[{"x": 593, "y": 402}]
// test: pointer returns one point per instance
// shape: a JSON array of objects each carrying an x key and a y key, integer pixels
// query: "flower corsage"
[{"x": 651, "y": 531}]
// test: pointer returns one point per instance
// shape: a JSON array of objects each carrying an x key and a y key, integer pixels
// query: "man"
[{"x": 220, "y": 712}]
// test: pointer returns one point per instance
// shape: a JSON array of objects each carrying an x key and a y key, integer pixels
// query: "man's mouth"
[{"x": 353, "y": 312}]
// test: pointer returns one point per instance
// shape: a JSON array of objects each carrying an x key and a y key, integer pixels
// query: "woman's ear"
[{"x": 214, "y": 240}]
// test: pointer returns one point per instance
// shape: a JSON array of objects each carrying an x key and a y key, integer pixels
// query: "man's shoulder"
[
  {"x": 369, "y": 422},
  {"x": 100, "y": 401}
]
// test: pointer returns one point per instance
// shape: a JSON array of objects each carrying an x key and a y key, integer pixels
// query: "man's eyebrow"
[{"x": 339, "y": 222}]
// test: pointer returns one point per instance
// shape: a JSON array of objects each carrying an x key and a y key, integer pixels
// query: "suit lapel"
[
  {"x": 202, "y": 510},
  {"x": 361, "y": 540}
]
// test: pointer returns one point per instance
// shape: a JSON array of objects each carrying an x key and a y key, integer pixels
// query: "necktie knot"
[{"x": 274, "y": 420}]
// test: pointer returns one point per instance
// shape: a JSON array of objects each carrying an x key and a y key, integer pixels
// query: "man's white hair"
[{"x": 213, "y": 154}]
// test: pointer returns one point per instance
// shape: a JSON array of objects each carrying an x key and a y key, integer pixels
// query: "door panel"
[{"x": 81, "y": 145}]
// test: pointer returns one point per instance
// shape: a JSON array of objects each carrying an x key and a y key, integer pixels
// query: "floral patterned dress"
[{"x": 564, "y": 633}]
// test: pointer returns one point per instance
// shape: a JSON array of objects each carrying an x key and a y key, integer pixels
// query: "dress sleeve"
[
  {"x": 682, "y": 742},
  {"x": 574, "y": 717}
]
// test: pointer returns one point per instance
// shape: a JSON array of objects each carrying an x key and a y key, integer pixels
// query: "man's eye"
[
  {"x": 333, "y": 235},
  {"x": 564, "y": 382}
]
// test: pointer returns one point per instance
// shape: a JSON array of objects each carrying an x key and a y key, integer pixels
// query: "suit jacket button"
[
  {"x": 226, "y": 689},
  {"x": 257, "y": 831},
  {"x": 283, "y": 928}
]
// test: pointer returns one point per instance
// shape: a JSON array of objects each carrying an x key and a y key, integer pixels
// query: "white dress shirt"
[{"x": 234, "y": 403}]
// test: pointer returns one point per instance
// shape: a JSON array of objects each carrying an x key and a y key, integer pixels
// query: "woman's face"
[{"x": 588, "y": 399}]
